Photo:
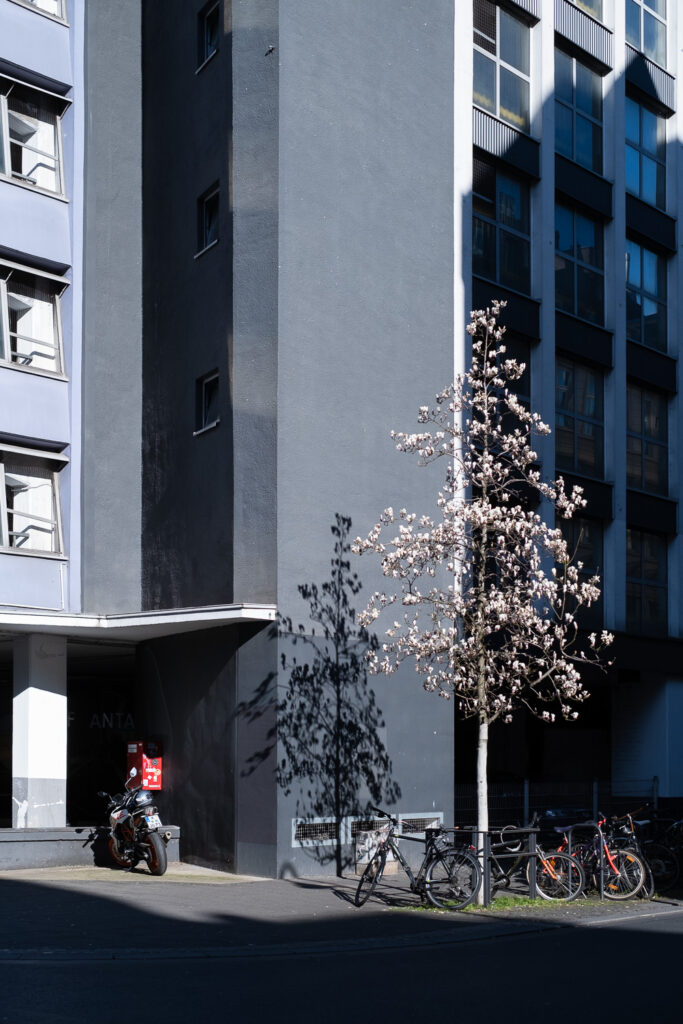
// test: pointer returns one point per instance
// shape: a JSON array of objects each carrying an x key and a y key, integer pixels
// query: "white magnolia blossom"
[{"x": 489, "y": 592}]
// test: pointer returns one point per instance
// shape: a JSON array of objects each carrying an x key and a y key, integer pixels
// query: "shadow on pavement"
[{"x": 74, "y": 951}]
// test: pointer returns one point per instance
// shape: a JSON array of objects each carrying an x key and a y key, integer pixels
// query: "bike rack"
[
  {"x": 569, "y": 832},
  {"x": 485, "y": 854}
]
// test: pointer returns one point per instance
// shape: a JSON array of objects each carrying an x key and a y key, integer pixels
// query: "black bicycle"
[{"x": 449, "y": 876}]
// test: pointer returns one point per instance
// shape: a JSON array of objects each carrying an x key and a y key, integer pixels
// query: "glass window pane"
[
  {"x": 648, "y": 181},
  {"x": 564, "y": 284},
  {"x": 654, "y": 325},
  {"x": 633, "y": 263},
  {"x": 632, "y": 121},
  {"x": 588, "y": 241},
  {"x": 513, "y": 204},
  {"x": 633, "y": 170},
  {"x": 563, "y": 131},
  {"x": 564, "y": 230},
  {"x": 514, "y": 42},
  {"x": 650, "y": 136},
  {"x": 563, "y": 77},
  {"x": 633, "y": 316},
  {"x": 633, "y": 23},
  {"x": 32, "y": 314},
  {"x": 589, "y": 295},
  {"x": 564, "y": 386},
  {"x": 483, "y": 248},
  {"x": 634, "y": 554},
  {"x": 634, "y": 462},
  {"x": 564, "y": 441},
  {"x": 661, "y": 187},
  {"x": 650, "y": 277},
  {"x": 588, "y": 91},
  {"x": 514, "y": 262},
  {"x": 658, "y": 6},
  {"x": 588, "y": 144},
  {"x": 654, "y": 39},
  {"x": 588, "y": 393},
  {"x": 593, "y": 7},
  {"x": 634, "y": 409},
  {"x": 485, "y": 20},
  {"x": 514, "y": 100},
  {"x": 655, "y": 468},
  {"x": 654, "y": 558},
  {"x": 589, "y": 447},
  {"x": 484, "y": 93},
  {"x": 31, "y": 509},
  {"x": 654, "y": 416}
]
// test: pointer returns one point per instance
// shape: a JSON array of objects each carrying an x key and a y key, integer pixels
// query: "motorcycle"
[{"x": 134, "y": 825}]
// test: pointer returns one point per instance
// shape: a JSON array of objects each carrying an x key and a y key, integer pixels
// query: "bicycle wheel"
[
  {"x": 664, "y": 865},
  {"x": 452, "y": 880},
  {"x": 558, "y": 876},
  {"x": 370, "y": 877},
  {"x": 627, "y": 880}
]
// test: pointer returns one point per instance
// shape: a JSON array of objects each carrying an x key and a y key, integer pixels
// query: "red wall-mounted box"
[{"x": 145, "y": 757}]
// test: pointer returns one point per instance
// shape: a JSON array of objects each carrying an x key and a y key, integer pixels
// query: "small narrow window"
[
  {"x": 30, "y": 322},
  {"x": 207, "y": 394},
  {"x": 30, "y": 518},
  {"x": 30, "y": 136},
  {"x": 207, "y": 218},
  {"x": 207, "y": 32}
]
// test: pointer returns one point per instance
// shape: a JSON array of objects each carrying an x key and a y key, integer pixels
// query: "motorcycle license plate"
[{"x": 153, "y": 820}]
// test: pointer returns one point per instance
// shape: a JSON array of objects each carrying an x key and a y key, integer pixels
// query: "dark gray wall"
[
  {"x": 112, "y": 310},
  {"x": 208, "y": 509},
  {"x": 365, "y": 311},
  {"x": 189, "y": 693},
  {"x": 187, "y": 481}
]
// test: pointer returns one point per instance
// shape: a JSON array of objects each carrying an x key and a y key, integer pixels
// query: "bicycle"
[
  {"x": 558, "y": 876},
  {"x": 619, "y": 873},
  {"x": 449, "y": 876}
]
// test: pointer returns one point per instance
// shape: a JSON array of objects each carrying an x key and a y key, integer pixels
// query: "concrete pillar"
[{"x": 39, "y": 732}]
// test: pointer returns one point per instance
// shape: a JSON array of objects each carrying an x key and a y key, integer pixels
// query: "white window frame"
[
  {"x": 7, "y": 268},
  {"x": 644, "y": 8},
  {"x": 500, "y": 63},
  {"x": 32, "y": 6},
  {"x": 53, "y": 461},
  {"x": 7, "y": 85}
]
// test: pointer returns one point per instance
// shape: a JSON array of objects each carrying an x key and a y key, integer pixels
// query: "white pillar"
[{"x": 39, "y": 732}]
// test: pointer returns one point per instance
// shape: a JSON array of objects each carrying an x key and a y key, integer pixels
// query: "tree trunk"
[{"x": 482, "y": 789}]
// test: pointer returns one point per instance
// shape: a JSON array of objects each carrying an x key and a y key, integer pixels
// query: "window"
[
  {"x": 30, "y": 140},
  {"x": 645, "y": 296},
  {"x": 579, "y": 418},
  {"x": 646, "y": 28},
  {"x": 645, "y": 154},
  {"x": 501, "y": 64},
  {"x": 646, "y": 582},
  {"x": 500, "y": 227},
  {"x": 207, "y": 414},
  {"x": 53, "y": 7},
  {"x": 592, "y": 7},
  {"x": 207, "y": 219},
  {"x": 646, "y": 440},
  {"x": 584, "y": 539},
  {"x": 578, "y": 112},
  {"x": 208, "y": 25},
  {"x": 579, "y": 265},
  {"x": 29, "y": 501},
  {"x": 30, "y": 323}
]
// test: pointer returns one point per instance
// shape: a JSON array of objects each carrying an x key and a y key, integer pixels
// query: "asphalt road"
[{"x": 111, "y": 947}]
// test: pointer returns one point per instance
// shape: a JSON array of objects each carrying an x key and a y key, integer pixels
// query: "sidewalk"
[{"x": 192, "y": 912}]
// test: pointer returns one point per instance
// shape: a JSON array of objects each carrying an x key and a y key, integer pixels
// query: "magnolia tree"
[{"x": 488, "y": 592}]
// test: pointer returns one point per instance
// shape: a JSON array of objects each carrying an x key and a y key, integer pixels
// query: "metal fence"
[{"x": 517, "y": 802}]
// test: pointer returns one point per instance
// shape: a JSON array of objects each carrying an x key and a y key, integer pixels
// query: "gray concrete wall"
[
  {"x": 112, "y": 311},
  {"x": 365, "y": 313}
]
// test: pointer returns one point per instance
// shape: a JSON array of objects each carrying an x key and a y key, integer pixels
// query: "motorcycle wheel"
[
  {"x": 158, "y": 861},
  {"x": 116, "y": 856}
]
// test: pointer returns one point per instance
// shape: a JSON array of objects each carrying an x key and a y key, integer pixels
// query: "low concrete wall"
[{"x": 62, "y": 847}]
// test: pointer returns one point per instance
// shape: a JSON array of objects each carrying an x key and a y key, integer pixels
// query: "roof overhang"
[{"x": 135, "y": 627}]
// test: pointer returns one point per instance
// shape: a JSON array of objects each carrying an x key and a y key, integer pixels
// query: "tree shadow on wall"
[{"x": 327, "y": 719}]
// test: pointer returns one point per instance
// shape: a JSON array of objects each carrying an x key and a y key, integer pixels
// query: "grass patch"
[{"x": 509, "y": 903}]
